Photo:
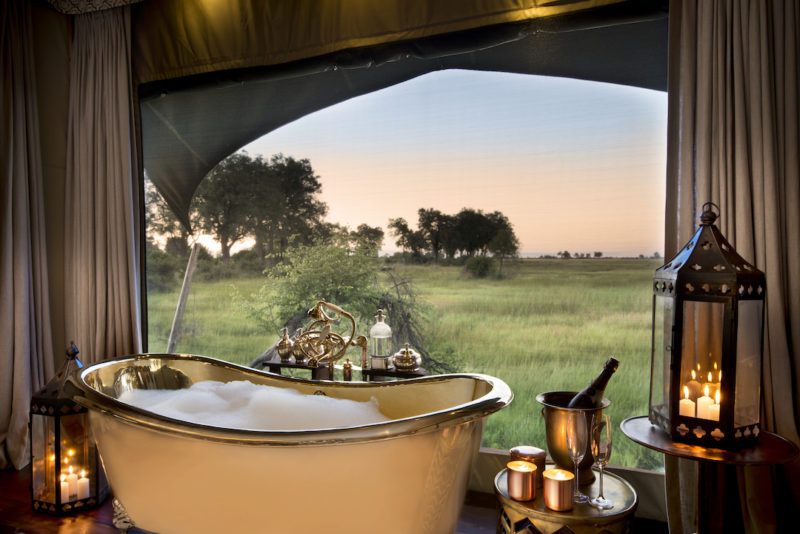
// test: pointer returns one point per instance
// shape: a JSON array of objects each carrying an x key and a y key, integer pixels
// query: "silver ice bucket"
[{"x": 555, "y": 418}]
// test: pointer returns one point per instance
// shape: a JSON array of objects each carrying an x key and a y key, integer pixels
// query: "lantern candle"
[
  {"x": 83, "y": 486},
  {"x": 710, "y": 386},
  {"x": 703, "y": 405},
  {"x": 72, "y": 479},
  {"x": 687, "y": 407},
  {"x": 558, "y": 489},
  {"x": 64, "y": 489},
  {"x": 694, "y": 387},
  {"x": 713, "y": 410},
  {"x": 521, "y": 476}
]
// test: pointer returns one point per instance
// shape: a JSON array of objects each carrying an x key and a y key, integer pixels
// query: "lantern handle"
[{"x": 707, "y": 217}]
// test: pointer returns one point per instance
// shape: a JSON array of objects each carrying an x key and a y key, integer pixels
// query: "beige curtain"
[
  {"x": 26, "y": 360},
  {"x": 733, "y": 139},
  {"x": 102, "y": 227}
]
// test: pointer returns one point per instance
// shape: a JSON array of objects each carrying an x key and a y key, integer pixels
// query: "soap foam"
[{"x": 244, "y": 405}]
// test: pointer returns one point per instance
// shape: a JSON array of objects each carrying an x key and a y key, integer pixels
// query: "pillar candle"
[
  {"x": 72, "y": 479},
  {"x": 713, "y": 410},
  {"x": 703, "y": 405},
  {"x": 695, "y": 389},
  {"x": 687, "y": 408},
  {"x": 83, "y": 486},
  {"x": 64, "y": 489},
  {"x": 558, "y": 489}
]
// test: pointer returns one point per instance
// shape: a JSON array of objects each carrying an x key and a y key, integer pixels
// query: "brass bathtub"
[{"x": 405, "y": 476}]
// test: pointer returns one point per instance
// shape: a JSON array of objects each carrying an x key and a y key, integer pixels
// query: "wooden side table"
[
  {"x": 534, "y": 517},
  {"x": 772, "y": 449}
]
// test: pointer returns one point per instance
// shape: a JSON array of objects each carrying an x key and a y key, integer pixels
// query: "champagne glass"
[
  {"x": 601, "y": 450},
  {"x": 576, "y": 445}
]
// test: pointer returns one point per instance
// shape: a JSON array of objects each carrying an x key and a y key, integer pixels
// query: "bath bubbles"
[{"x": 244, "y": 405}]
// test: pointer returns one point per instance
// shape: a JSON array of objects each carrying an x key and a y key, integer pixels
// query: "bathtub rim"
[{"x": 498, "y": 396}]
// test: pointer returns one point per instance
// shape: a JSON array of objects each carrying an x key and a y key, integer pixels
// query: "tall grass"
[{"x": 548, "y": 326}]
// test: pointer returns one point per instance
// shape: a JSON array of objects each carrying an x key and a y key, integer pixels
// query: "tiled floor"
[{"x": 17, "y": 516}]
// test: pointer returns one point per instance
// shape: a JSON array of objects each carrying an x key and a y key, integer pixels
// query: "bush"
[
  {"x": 164, "y": 270},
  {"x": 481, "y": 266}
]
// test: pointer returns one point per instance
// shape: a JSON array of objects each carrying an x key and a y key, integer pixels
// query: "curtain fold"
[
  {"x": 102, "y": 227},
  {"x": 26, "y": 361},
  {"x": 733, "y": 140}
]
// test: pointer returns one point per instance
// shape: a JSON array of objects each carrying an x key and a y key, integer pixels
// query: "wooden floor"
[{"x": 17, "y": 516}]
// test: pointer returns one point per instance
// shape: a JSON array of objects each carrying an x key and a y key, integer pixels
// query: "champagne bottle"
[{"x": 592, "y": 395}]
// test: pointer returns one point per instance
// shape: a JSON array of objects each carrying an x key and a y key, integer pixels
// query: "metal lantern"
[
  {"x": 66, "y": 476},
  {"x": 708, "y": 316}
]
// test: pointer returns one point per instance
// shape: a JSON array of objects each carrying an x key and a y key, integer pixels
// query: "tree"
[
  {"x": 161, "y": 222},
  {"x": 407, "y": 239},
  {"x": 504, "y": 244},
  {"x": 367, "y": 237},
  {"x": 435, "y": 227},
  {"x": 282, "y": 202},
  {"x": 221, "y": 202}
]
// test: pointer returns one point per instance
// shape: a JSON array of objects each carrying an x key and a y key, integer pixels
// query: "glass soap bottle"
[{"x": 380, "y": 343}]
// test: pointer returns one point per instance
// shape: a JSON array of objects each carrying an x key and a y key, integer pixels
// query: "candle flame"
[
  {"x": 686, "y": 392},
  {"x": 720, "y": 375},
  {"x": 560, "y": 476},
  {"x": 71, "y": 452},
  {"x": 70, "y": 470},
  {"x": 715, "y": 366},
  {"x": 709, "y": 376},
  {"x": 706, "y": 391},
  {"x": 694, "y": 376},
  {"x": 717, "y": 396},
  {"x": 83, "y": 471},
  {"x": 63, "y": 478}
]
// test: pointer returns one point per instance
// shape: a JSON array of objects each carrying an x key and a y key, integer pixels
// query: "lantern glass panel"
[
  {"x": 701, "y": 351},
  {"x": 748, "y": 363},
  {"x": 43, "y": 456},
  {"x": 662, "y": 354}
]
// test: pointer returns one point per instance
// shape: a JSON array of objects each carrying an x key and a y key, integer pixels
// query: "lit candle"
[
  {"x": 703, "y": 405},
  {"x": 694, "y": 387},
  {"x": 558, "y": 488},
  {"x": 521, "y": 475},
  {"x": 72, "y": 479},
  {"x": 83, "y": 486},
  {"x": 713, "y": 410},
  {"x": 64, "y": 489},
  {"x": 710, "y": 386},
  {"x": 687, "y": 405}
]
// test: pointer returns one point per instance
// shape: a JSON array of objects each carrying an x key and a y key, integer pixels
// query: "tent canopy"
[{"x": 191, "y": 122}]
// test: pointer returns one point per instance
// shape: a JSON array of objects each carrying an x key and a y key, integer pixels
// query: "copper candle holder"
[
  {"x": 521, "y": 480},
  {"x": 558, "y": 489},
  {"x": 534, "y": 455}
]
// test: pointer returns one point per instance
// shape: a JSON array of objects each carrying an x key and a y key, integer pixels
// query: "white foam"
[{"x": 245, "y": 405}]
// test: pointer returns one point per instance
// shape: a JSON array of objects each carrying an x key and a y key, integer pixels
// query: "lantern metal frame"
[
  {"x": 59, "y": 436},
  {"x": 703, "y": 297}
]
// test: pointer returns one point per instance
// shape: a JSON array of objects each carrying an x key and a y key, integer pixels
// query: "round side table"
[
  {"x": 771, "y": 449},
  {"x": 534, "y": 516}
]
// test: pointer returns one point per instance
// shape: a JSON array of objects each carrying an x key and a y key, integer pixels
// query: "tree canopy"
[{"x": 468, "y": 233}]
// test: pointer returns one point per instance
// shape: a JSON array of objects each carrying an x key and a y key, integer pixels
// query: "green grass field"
[{"x": 548, "y": 326}]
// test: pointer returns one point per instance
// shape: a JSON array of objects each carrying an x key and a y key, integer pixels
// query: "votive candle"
[
  {"x": 558, "y": 489},
  {"x": 521, "y": 477}
]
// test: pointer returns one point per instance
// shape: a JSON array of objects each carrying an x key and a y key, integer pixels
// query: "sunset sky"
[{"x": 575, "y": 165}]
